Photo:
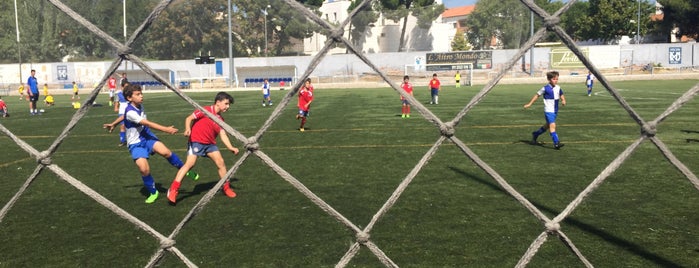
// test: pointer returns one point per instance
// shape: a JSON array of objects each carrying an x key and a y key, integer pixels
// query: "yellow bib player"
[{"x": 21, "y": 91}]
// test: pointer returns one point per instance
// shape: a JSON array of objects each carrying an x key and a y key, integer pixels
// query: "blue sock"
[
  {"x": 589, "y": 91},
  {"x": 149, "y": 183},
  {"x": 175, "y": 161},
  {"x": 540, "y": 131},
  {"x": 122, "y": 137},
  {"x": 554, "y": 137}
]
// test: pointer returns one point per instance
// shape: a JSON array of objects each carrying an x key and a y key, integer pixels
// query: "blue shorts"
[
  {"x": 405, "y": 102},
  {"x": 34, "y": 97},
  {"x": 142, "y": 149},
  {"x": 265, "y": 96},
  {"x": 550, "y": 118},
  {"x": 435, "y": 92},
  {"x": 200, "y": 149},
  {"x": 303, "y": 113}
]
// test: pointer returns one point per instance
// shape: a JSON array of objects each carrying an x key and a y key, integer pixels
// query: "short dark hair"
[
  {"x": 129, "y": 90},
  {"x": 551, "y": 75},
  {"x": 308, "y": 80},
  {"x": 224, "y": 96},
  {"x": 435, "y": 74},
  {"x": 406, "y": 77}
]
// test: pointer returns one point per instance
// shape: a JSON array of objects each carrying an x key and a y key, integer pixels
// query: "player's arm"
[
  {"x": 116, "y": 106},
  {"x": 308, "y": 104},
  {"x": 188, "y": 125},
  {"x": 563, "y": 100},
  {"x": 156, "y": 126},
  {"x": 536, "y": 96},
  {"x": 226, "y": 141},
  {"x": 111, "y": 125}
]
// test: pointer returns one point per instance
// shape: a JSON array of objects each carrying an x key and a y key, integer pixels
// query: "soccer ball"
[
  {"x": 76, "y": 105},
  {"x": 41, "y": 110}
]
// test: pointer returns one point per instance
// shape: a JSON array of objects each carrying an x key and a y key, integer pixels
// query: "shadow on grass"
[
  {"x": 199, "y": 189},
  {"x": 689, "y": 131},
  {"x": 692, "y": 140},
  {"x": 538, "y": 143},
  {"x": 633, "y": 248}
]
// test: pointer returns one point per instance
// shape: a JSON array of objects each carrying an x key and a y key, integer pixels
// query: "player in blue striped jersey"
[{"x": 552, "y": 95}]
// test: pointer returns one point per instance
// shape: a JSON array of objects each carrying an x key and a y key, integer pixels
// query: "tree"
[
  {"x": 683, "y": 14},
  {"x": 610, "y": 19},
  {"x": 459, "y": 43},
  {"x": 508, "y": 22},
  {"x": 426, "y": 12},
  {"x": 575, "y": 21},
  {"x": 360, "y": 22}
]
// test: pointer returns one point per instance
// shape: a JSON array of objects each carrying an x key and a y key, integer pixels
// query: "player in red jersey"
[
  {"x": 111, "y": 83},
  {"x": 405, "y": 112},
  {"x": 202, "y": 132},
  {"x": 3, "y": 108},
  {"x": 435, "y": 86},
  {"x": 305, "y": 99}
]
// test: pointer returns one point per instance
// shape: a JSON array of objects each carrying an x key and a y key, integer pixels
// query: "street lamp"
[
  {"x": 265, "y": 13},
  {"x": 638, "y": 24}
]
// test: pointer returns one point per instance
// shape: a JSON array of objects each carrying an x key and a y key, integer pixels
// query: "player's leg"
[
  {"x": 304, "y": 115},
  {"x": 217, "y": 158},
  {"x": 171, "y": 157},
  {"x": 541, "y": 130},
  {"x": 174, "y": 189},
  {"x": 122, "y": 134}
]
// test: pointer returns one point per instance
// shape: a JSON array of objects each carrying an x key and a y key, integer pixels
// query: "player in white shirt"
[{"x": 552, "y": 94}]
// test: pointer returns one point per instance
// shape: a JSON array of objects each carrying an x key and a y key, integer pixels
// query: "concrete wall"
[{"x": 89, "y": 73}]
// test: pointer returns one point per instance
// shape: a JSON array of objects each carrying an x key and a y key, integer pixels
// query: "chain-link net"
[{"x": 335, "y": 36}]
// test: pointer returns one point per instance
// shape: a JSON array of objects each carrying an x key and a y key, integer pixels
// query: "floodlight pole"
[
  {"x": 638, "y": 23},
  {"x": 19, "y": 47},
  {"x": 265, "y": 12},
  {"x": 531, "y": 51},
  {"x": 231, "y": 68},
  {"x": 125, "y": 40}
]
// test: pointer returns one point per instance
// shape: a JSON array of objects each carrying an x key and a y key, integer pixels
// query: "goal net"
[{"x": 465, "y": 71}]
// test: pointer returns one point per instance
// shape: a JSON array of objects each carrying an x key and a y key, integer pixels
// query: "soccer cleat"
[
  {"x": 193, "y": 175},
  {"x": 302, "y": 129},
  {"x": 403, "y": 115},
  {"x": 534, "y": 136},
  {"x": 558, "y": 146},
  {"x": 172, "y": 195},
  {"x": 152, "y": 198},
  {"x": 229, "y": 192},
  {"x": 121, "y": 144},
  {"x": 270, "y": 104},
  {"x": 407, "y": 116}
]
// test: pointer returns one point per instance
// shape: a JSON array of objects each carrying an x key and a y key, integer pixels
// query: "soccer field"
[{"x": 355, "y": 152}]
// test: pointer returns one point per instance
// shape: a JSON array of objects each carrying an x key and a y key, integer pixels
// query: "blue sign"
[{"x": 675, "y": 56}]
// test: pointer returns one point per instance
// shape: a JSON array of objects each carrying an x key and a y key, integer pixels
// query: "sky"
[{"x": 458, "y": 3}]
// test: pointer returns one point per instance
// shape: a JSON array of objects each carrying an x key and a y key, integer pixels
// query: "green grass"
[{"x": 354, "y": 154}]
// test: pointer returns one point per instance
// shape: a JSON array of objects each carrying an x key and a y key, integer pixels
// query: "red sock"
[
  {"x": 303, "y": 122},
  {"x": 226, "y": 186},
  {"x": 407, "y": 109},
  {"x": 175, "y": 185},
  {"x": 402, "y": 111}
]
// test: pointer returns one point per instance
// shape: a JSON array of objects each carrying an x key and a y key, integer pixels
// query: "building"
[{"x": 384, "y": 34}]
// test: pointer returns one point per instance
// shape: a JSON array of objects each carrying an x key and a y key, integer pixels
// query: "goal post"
[{"x": 426, "y": 70}]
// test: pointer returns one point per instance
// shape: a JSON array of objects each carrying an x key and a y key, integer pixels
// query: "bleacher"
[{"x": 272, "y": 80}]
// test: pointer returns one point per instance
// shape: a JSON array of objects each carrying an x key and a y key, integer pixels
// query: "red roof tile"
[{"x": 458, "y": 11}]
